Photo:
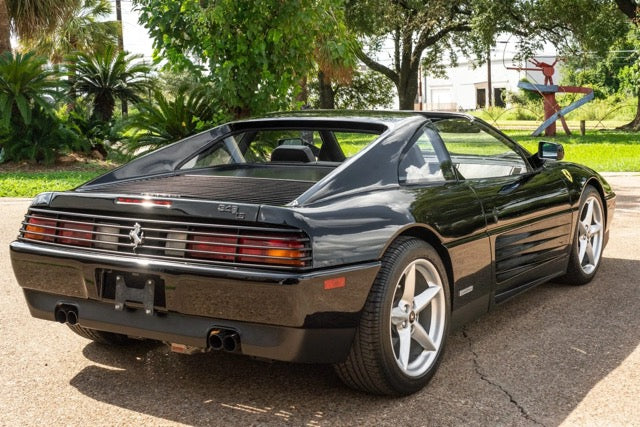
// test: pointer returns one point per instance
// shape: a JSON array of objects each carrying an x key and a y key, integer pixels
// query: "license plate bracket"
[
  {"x": 125, "y": 293},
  {"x": 132, "y": 290}
]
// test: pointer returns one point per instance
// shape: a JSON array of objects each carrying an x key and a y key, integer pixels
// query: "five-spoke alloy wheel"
[
  {"x": 417, "y": 317},
  {"x": 403, "y": 328},
  {"x": 588, "y": 242}
]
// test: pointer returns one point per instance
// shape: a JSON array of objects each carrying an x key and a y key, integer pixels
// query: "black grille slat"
[{"x": 229, "y": 189}]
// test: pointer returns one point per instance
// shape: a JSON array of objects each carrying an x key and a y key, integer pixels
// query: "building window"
[
  {"x": 499, "y": 97},
  {"x": 481, "y": 98}
]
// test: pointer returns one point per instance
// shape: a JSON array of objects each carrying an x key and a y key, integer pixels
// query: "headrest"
[{"x": 293, "y": 153}]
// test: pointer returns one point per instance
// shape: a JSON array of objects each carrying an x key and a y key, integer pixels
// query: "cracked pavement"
[
  {"x": 555, "y": 355},
  {"x": 488, "y": 380}
]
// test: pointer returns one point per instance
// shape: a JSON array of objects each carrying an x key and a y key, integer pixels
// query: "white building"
[{"x": 465, "y": 86}]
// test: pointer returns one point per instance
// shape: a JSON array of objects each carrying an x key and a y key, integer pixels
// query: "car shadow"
[{"x": 531, "y": 360}]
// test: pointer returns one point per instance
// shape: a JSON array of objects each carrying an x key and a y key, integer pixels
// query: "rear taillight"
[
  {"x": 281, "y": 251},
  {"x": 72, "y": 233},
  {"x": 213, "y": 247},
  {"x": 40, "y": 228},
  {"x": 255, "y": 249}
]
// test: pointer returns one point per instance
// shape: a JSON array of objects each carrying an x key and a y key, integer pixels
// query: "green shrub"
[
  {"x": 30, "y": 129},
  {"x": 41, "y": 141}
]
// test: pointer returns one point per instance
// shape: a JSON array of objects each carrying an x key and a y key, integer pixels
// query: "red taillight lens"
[
  {"x": 40, "y": 228},
  {"x": 76, "y": 234},
  {"x": 274, "y": 249},
  {"x": 281, "y": 251},
  {"x": 213, "y": 247}
]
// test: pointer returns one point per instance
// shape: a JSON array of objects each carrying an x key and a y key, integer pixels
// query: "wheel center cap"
[{"x": 412, "y": 317}]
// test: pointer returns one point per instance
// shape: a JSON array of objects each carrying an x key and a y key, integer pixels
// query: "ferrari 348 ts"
[{"x": 358, "y": 239}]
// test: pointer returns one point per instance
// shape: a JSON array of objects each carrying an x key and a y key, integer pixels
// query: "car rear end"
[{"x": 193, "y": 273}]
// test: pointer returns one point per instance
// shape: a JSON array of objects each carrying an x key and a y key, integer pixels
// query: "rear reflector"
[{"x": 338, "y": 282}]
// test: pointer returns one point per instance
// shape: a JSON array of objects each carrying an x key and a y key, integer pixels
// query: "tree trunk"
[
  {"x": 327, "y": 94},
  {"x": 5, "y": 28},
  {"x": 303, "y": 96},
  {"x": 408, "y": 89},
  {"x": 125, "y": 106},
  {"x": 634, "y": 125},
  {"x": 408, "y": 72}
]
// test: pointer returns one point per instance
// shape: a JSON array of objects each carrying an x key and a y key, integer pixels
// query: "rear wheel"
[
  {"x": 404, "y": 324},
  {"x": 101, "y": 337},
  {"x": 588, "y": 240}
]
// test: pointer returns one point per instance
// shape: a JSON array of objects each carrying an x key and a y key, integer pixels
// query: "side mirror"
[{"x": 550, "y": 150}]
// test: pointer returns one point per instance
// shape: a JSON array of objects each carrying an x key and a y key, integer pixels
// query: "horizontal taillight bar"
[{"x": 210, "y": 243}]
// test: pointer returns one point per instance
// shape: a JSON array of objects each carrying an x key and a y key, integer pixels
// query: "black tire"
[
  {"x": 102, "y": 337},
  {"x": 581, "y": 270},
  {"x": 375, "y": 363}
]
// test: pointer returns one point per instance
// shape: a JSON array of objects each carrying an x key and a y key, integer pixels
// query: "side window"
[
  {"x": 477, "y": 154},
  {"x": 421, "y": 163}
]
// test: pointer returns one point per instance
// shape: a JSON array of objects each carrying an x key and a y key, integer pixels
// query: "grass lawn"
[
  {"x": 27, "y": 180},
  {"x": 602, "y": 150}
]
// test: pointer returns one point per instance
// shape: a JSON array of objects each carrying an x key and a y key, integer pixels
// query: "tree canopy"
[
  {"x": 81, "y": 28},
  {"x": 255, "y": 52},
  {"x": 422, "y": 31}
]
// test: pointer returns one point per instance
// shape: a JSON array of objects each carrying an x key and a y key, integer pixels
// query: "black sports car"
[{"x": 353, "y": 238}]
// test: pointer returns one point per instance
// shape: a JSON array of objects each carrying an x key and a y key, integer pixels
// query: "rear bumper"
[
  {"x": 281, "y": 316},
  {"x": 318, "y": 345}
]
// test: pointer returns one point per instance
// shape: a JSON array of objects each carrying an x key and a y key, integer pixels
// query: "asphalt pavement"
[{"x": 556, "y": 355}]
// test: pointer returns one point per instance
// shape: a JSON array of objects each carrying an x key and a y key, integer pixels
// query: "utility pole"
[
  {"x": 125, "y": 107},
  {"x": 489, "y": 91},
  {"x": 420, "y": 95}
]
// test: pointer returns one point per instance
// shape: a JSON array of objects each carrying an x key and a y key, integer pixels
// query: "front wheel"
[
  {"x": 404, "y": 324},
  {"x": 588, "y": 240}
]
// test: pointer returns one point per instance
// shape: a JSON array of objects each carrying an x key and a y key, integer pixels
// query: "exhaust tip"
[
  {"x": 231, "y": 342},
  {"x": 72, "y": 317},
  {"x": 215, "y": 339},
  {"x": 60, "y": 315}
]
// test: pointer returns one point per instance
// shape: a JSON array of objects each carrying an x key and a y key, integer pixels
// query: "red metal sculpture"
[{"x": 552, "y": 111}]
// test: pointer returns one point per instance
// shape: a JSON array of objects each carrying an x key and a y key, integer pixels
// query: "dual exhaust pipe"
[
  {"x": 219, "y": 339},
  {"x": 66, "y": 314},
  {"x": 224, "y": 339}
]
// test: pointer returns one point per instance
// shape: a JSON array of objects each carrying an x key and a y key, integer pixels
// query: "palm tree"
[
  {"x": 79, "y": 30},
  {"x": 27, "y": 18},
  {"x": 164, "y": 120},
  {"x": 25, "y": 85},
  {"x": 29, "y": 128},
  {"x": 107, "y": 76}
]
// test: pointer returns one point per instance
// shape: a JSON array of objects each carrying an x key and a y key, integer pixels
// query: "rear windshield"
[{"x": 281, "y": 147}]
